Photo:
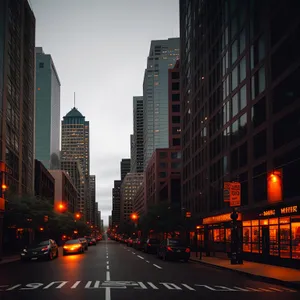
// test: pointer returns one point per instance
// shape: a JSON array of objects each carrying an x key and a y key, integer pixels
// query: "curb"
[{"x": 287, "y": 284}]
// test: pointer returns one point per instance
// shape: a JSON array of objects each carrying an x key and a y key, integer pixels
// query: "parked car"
[
  {"x": 84, "y": 243},
  {"x": 47, "y": 249},
  {"x": 173, "y": 249},
  {"x": 151, "y": 245}
]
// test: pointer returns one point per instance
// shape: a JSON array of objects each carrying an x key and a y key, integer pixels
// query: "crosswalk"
[{"x": 139, "y": 285}]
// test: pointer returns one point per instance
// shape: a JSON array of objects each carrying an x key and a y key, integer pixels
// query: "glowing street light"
[
  {"x": 78, "y": 216},
  {"x": 134, "y": 216}
]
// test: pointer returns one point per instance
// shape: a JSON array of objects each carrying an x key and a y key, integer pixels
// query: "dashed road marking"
[
  {"x": 133, "y": 252},
  {"x": 158, "y": 267},
  {"x": 141, "y": 257},
  {"x": 147, "y": 261},
  {"x": 107, "y": 267}
]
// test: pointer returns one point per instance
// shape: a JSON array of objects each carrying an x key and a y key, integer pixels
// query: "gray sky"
[{"x": 100, "y": 49}]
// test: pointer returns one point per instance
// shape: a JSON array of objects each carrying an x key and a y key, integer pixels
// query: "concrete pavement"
[{"x": 113, "y": 271}]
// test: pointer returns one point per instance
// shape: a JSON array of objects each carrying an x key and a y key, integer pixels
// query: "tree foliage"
[{"x": 30, "y": 212}]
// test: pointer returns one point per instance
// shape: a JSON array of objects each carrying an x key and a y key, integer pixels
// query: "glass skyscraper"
[
  {"x": 162, "y": 56},
  {"x": 47, "y": 129}
]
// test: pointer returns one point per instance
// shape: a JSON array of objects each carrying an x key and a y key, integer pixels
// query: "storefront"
[
  {"x": 272, "y": 235},
  {"x": 217, "y": 232}
]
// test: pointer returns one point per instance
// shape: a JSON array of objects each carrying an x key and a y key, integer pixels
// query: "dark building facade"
[
  {"x": 125, "y": 167},
  {"x": 174, "y": 107},
  {"x": 17, "y": 81},
  {"x": 240, "y": 100},
  {"x": 44, "y": 183},
  {"x": 162, "y": 177},
  {"x": 137, "y": 154},
  {"x": 116, "y": 203}
]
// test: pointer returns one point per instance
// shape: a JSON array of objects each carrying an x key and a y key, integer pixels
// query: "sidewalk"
[
  {"x": 9, "y": 259},
  {"x": 268, "y": 273}
]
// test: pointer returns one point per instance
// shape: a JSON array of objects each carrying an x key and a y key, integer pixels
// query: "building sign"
[
  {"x": 280, "y": 211},
  {"x": 220, "y": 219},
  {"x": 289, "y": 210},
  {"x": 266, "y": 213},
  {"x": 235, "y": 194}
]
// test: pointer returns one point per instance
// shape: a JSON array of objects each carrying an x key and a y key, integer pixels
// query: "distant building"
[
  {"x": 116, "y": 203},
  {"x": 44, "y": 183},
  {"x": 137, "y": 153},
  {"x": 65, "y": 191},
  {"x": 74, "y": 170},
  {"x": 110, "y": 221},
  {"x": 92, "y": 208},
  {"x": 129, "y": 188},
  {"x": 47, "y": 116},
  {"x": 139, "y": 202},
  {"x": 75, "y": 132},
  {"x": 162, "y": 56},
  {"x": 17, "y": 93},
  {"x": 125, "y": 167}
]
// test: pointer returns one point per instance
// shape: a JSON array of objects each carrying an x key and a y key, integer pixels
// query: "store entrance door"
[{"x": 265, "y": 241}]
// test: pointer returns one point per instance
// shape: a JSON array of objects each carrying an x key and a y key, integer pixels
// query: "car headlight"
[{"x": 24, "y": 250}]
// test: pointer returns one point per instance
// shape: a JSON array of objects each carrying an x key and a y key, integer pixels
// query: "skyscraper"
[
  {"x": 124, "y": 167},
  {"x": 137, "y": 156},
  {"x": 47, "y": 117},
  {"x": 92, "y": 207},
  {"x": 17, "y": 80},
  {"x": 162, "y": 56},
  {"x": 116, "y": 203},
  {"x": 75, "y": 146}
]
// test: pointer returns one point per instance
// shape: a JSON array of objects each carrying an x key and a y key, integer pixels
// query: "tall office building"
[
  {"x": 240, "y": 103},
  {"x": 74, "y": 170},
  {"x": 92, "y": 207},
  {"x": 17, "y": 80},
  {"x": 137, "y": 156},
  {"x": 75, "y": 146},
  {"x": 125, "y": 167},
  {"x": 47, "y": 116},
  {"x": 116, "y": 203},
  {"x": 162, "y": 56}
]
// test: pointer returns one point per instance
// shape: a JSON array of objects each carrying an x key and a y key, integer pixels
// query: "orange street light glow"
[{"x": 134, "y": 216}]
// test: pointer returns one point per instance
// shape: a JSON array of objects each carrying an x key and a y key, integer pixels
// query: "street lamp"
[
  {"x": 134, "y": 216},
  {"x": 77, "y": 216}
]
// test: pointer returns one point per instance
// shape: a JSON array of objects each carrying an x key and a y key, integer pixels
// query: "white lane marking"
[
  {"x": 147, "y": 261},
  {"x": 107, "y": 262},
  {"x": 107, "y": 267},
  {"x": 289, "y": 290},
  {"x": 107, "y": 276},
  {"x": 188, "y": 287},
  {"x": 274, "y": 289},
  {"x": 107, "y": 293},
  {"x": 171, "y": 286},
  {"x": 152, "y": 285},
  {"x": 133, "y": 252},
  {"x": 142, "y": 286},
  {"x": 141, "y": 257},
  {"x": 13, "y": 287},
  {"x": 241, "y": 289},
  {"x": 75, "y": 285},
  {"x": 158, "y": 267},
  {"x": 265, "y": 290}
]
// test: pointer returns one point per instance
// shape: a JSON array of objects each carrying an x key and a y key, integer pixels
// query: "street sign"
[
  {"x": 235, "y": 194},
  {"x": 226, "y": 191},
  {"x": 2, "y": 204}
]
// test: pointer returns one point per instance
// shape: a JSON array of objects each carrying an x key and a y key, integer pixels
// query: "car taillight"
[
  {"x": 169, "y": 249},
  {"x": 187, "y": 250},
  {"x": 45, "y": 248},
  {"x": 139, "y": 242},
  {"x": 149, "y": 245}
]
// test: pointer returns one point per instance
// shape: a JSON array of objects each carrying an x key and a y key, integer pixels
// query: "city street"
[{"x": 113, "y": 271}]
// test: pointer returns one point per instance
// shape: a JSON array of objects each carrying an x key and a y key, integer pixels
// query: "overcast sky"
[{"x": 100, "y": 49}]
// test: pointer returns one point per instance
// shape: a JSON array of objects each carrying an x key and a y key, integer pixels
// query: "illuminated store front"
[
  {"x": 273, "y": 235},
  {"x": 218, "y": 232}
]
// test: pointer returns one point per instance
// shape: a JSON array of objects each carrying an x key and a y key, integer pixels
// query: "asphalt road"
[{"x": 112, "y": 271}]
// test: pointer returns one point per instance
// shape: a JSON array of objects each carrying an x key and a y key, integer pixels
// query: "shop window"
[
  {"x": 296, "y": 240},
  {"x": 219, "y": 235},
  {"x": 285, "y": 238},
  {"x": 246, "y": 238},
  {"x": 273, "y": 237},
  {"x": 255, "y": 237}
]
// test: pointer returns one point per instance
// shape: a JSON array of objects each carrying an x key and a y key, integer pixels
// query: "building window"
[
  {"x": 175, "y": 119},
  {"x": 259, "y": 112},
  {"x": 258, "y": 82},
  {"x": 41, "y": 65},
  {"x": 162, "y": 174},
  {"x": 175, "y": 97},
  {"x": 175, "y": 108},
  {"x": 260, "y": 144}
]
